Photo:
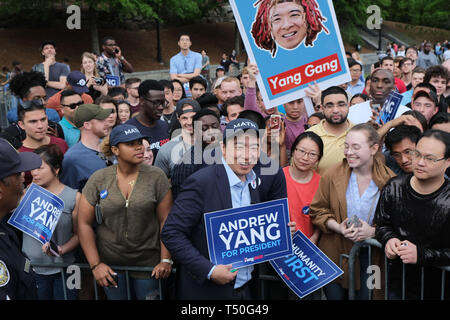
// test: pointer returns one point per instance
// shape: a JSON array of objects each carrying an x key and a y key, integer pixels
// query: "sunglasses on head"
[
  {"x": 73, "y": 105},
  {"x": 32, "y": 103}
]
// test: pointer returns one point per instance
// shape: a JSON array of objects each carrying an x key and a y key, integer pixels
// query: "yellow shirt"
[{"x": 333, "y": 146}]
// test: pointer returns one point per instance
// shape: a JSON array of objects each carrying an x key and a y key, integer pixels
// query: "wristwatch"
[{"x": 169, "y": 261}]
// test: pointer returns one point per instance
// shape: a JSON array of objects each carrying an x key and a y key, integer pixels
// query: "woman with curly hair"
[{"x": 286, "y": 23}]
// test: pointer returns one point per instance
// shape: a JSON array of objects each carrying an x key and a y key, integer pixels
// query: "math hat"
[
  {"x": 12, "y": 162},
  {"x": 237, "y": 126},
  {"x": 124, "y": 133}
]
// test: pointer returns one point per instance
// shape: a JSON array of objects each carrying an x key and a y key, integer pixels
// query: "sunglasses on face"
[{"x": 73, "y": 105}]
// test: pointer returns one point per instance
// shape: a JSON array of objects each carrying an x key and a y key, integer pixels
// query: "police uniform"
[{"x": 17, "y": 280}]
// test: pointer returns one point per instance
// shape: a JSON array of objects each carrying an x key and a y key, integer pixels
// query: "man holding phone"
[{"x": 111, "y": 64}]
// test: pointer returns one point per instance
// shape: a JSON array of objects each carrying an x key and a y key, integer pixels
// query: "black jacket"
[{"x": 424, "y": 220}]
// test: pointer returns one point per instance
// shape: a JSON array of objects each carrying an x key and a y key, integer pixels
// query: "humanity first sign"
[
  {"x": 293, "y": 43},
  {"x": 249, "y": 235},
  {"x": 38, "y": 213},
  {"x": 307, "y": 269}
]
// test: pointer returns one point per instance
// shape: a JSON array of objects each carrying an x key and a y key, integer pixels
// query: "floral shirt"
[{"x": 105, "y": 68}]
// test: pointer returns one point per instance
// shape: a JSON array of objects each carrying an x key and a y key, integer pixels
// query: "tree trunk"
[
  {"x": 94, "y": 31},
  {"x": 158, "y": 43}
]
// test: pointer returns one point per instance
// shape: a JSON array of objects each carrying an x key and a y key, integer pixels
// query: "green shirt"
[{"x": 128, "y": 236}]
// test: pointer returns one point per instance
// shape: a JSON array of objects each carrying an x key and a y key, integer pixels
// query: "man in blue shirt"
[
  {"x": 70, "y": 100},
  {"x": 84, "y": 158},
  {"x": 355, "y": 86},
  {"x": 186, "y": 64}
]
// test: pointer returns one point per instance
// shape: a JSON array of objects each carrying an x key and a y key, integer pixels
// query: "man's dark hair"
[
  {"x": 403, "y": 61},
  {"x": 436, "y": 72},
  {"x": 234, "y": 100},
  {"x": 104, "y": 99},
  {"x": 130, "y": 81},
  {"x": 30, "y": 106},
  {"x": 418, "y": 70},
  {"x": 184, "y": 34},
  {"x": 67, "y": 93},
  {"x": 106, "y": 38},
  {"x": 204, "y": 112},
  {"x": 401, "y": 132},
  {"x": 115, "y": 91},
  {"x": 167, "y": 84},
  {"x": 21, "y": 84},
  {"x": 197, "y": 79},
  {"x": 148, "y": 85},
  {"x": 440, "y": 117},
  {"x": 440, "y": 135},
  {"x": 254, "y": 116},
  {"x": 352, "y": 62},
  {"x": 386, "y": 58},
  {"x": 207, "y": 99},
  {"x": 333, "y": 90},
  {"x": 420, "y": 117},
  {"x": 46, "y": 42},
  {"x": 427, "y": 86}
]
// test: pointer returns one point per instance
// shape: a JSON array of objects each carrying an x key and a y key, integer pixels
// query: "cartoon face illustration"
[{"x": 286, "y": 23}]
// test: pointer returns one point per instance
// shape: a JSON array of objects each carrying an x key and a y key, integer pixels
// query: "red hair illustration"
[{"x": 262, "y": 26}]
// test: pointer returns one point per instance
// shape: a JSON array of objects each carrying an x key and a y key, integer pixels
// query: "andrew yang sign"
[
  {"x": 249, "y": 235},
  {"x": 38, "y": 213}
]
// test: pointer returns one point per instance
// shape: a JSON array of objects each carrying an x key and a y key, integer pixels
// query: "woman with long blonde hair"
[{"x": 89, "y": 69}]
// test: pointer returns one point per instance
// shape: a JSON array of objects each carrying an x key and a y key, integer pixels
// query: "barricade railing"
[
  {"x": 125, "y": 269},
  {"x": 369, "y": 243}
]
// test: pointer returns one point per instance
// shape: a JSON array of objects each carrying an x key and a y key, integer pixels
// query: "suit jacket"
[{"x": 184, "y": 232}]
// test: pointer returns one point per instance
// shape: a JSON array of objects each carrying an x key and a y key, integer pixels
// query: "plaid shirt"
[{"x": 104, "y": 68}]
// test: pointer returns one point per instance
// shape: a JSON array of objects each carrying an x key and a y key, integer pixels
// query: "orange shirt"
[
  {"x": 55, "y": 101},
  {"x": 299, "y": 197}
]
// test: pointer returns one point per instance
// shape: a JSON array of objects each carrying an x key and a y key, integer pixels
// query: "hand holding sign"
[{"x": 222, "y": 274}]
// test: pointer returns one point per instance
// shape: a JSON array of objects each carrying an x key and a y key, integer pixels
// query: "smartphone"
[
  {"x": 354, "y": 220},
  {"x": 54, "y": 248},
  {"x": 275, "y": 122},
  {"x": 115, "y": 278},
  {"x": 53, "y": 125}
]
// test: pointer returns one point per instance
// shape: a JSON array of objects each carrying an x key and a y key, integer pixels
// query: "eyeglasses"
[
  {"x": 32, "y": 103},
  {"x": 157, "y": 103},
  {"x": 111, "y": 45},
  {"x": 73, "y": 105},
  {"x": 407, "y": 152},
  {"x": 311, "y": 155},
  {"x": 355, "y": 70},
  {"x": 428, "y": 158}
]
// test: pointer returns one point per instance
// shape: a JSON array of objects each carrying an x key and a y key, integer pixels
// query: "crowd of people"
[{"x": 138, "y": 163}]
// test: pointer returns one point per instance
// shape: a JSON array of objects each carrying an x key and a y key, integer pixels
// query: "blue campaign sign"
[
  {"x": 112, "y": 81},
  {"x": 38, "y": 213},
  {"x": 293, "y": 43},
  {"x": 249, "y": 235},
  {"x": 307, "y": 269},
  {"x": 390, "y": 107}
]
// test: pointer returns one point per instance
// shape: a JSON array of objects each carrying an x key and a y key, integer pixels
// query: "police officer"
[{"x": 16, "y": 275}]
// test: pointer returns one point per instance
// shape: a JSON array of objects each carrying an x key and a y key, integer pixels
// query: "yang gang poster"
[{"x": 293, "y": 43}]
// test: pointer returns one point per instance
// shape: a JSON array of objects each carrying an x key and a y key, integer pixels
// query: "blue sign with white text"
[
  {"x": 38, "y": 213},
  {"x": 307, "y": 269},
  {"x": 249, "y": 235},
  {"x": 112, "y": 81},
  {"x": 390, "y": 107}
]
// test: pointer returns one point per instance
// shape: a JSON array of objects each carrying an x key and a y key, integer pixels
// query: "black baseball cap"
[
  {"x": 195, "y": 106},
  {"x": 12, "y": 162}
]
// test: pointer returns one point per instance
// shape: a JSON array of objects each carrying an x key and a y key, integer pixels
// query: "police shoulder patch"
[{"x": 4, "y": 274}]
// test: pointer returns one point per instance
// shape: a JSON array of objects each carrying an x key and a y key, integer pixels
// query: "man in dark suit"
[{"x": 217, "y": 187}]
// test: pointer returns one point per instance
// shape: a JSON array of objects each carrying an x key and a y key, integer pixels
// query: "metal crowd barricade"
[
  {"x": 126, "y": 269},
  {"x": 372, "y": 242}
]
